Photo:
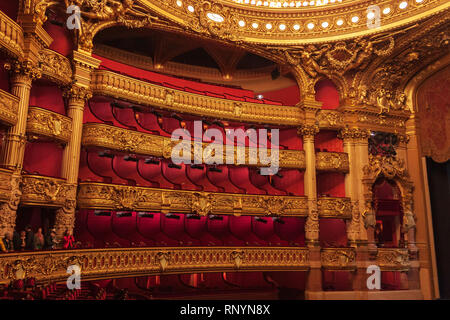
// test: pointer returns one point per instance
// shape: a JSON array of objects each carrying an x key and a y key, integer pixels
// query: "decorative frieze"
[
  {"x": 338, "y": 208},
  {"x": 338, "y": 258},
  {"x": 46, "y": 123},
  {"x": 111, "y": 263},
  {"x": 9, "y": 106},
  {"x": 5, "y": 185},
  {"x": 332, "y": 161},
  {"x": 44, "y": 191},
  {"x": 393, "y": 259},
  {"x": 11, "y": 36},
  {"x": 118, "y": 197},
  {"x": 119, "y": 139},
  {"x": 55, "y": 66}
]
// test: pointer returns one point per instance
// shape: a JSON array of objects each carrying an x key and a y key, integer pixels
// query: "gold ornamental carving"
[
  {"x": 49, "y": 124},
  {"x": 308, "y": 130},
  {"x": 332, "y": 161},
  {"x": 55, "y": 66},
  {"x": 40, "y": 190},
  {"x": 9, "y": 106},
  {"x": 117, "y": 197},
  {"x": 23, "y": 71},
  {"x": 338, "y": 258},
  {"x": 389, "y": 167},
  {"x": 11, "y": 36},
  {"x": 339, "y": 208},
  {"x": 77, "y": 93},
  {"x": 11, "y": 192},
  {"x": 393, "y": 259},
  {"x": 354, "y": 134},
  {"x": 330, "y": 119},
  {"x": 113, "y": 262}
]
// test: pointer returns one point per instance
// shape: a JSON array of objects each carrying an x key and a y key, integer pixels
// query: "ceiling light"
[
  {"x": 215, "y": 17},
  {"x": 255, "y": 25},
  {"x": 310, "y": 26},
  {"x": 296, "y": 27},
  {"x": 268, "y": 26},
  {"x": 340, "y": 22},
  {"x": 419, "y": 1},
  {"x": 386, "y": 10},
  {"x": 191, "y": 8},
  {"x": 355, "y": 19},
  {"x": 282, "y": 27},
  {"x": 324, "y": 24},
  {"x": 403, "y": 5},
  {"x": 179, "y": 3},
  {"x": 371, "y": 15},
  {"x": 241, "y": 23}
]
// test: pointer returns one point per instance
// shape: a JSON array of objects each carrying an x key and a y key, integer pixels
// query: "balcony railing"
[
  {"x": 393, "y": 259},
  {"x": 55, "y": 66},
  {"x": 331, "y": 207},
  {"x": 110, "y": 137},
  {"x": 338, "y": 258},
  {"x": 332, "y": 161},
  {"x": 42, "y": 122},
  {"x": 9, "y": 106},
  {"x": 45, "y": 191},
  {"x": 5, "y": 185},
  {"x": 119, "y": 197},
  {"x": 11, "y": 35},
  {"x": 109, "y": 263}
]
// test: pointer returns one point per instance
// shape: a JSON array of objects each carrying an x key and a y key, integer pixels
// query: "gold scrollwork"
[
  {"x": 393, "y": 259},
  {"x": 40, "y": 190},
  {"x": 334, "y": 207},
  {"x": 50, "y": 124},
  {"x": 9, "y": 106},
  {"x": 338, "y": 258},
  {"x": 332, "y": 161}
]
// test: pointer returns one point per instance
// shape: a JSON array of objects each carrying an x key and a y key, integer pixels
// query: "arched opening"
[
  {"x": 388, "y": 213},
  {"x": 327, "y": 93}
]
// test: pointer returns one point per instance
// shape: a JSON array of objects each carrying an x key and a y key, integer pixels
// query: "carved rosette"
[
  {"x": 338, "y": 258},
  {"x": 332, "y": 161},
  {"x": 11, "y": 185},
  {"x": 339, "y": 208},
  {"x": 23, "y": 72},
  {"x": 393, "y": 259},
  {"x": 202, "y": 203},
  {"x": 50, "y": 124}
]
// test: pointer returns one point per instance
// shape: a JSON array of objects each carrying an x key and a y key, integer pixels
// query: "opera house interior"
[{"x": 349, "y": 101}]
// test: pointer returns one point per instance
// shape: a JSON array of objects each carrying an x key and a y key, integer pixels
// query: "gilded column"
[{"x": 76, "y": 97}]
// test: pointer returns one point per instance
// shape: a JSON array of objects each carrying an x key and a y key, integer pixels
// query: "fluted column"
[
  {"x": 22, "y": 75},
  {"x": 76, "y": 97}
]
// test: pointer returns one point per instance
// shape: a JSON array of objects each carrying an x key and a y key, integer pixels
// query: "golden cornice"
[
  {"x": 332, "y": 161},
  {"x": 338, "y": 258},
  {"x": 110, "y": 137},
  {"x": 332, "y": 207},
  {"x": 232, "y": 14},
  {"x": 95, "y": 264},
  {"x": 46, "y": 123},
  {"x": 11, "y": 36},
  {"x": 393, "y": 259},
  {"x": 5, "y": 185},
  {"x": 9, "y": 106},
  {"x": 118, "y": 86},
  {"x": 44, "y": 191},
  {"x": 118, "y": 197},
  {"x": 55, "y": 67}
]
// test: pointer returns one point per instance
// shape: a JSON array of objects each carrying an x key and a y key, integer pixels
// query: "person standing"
[
  {"x": 29, "y": 238},
  {"x": 39, "y": 240}
]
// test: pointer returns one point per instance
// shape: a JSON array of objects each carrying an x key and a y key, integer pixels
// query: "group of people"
[{"x": 27, "y": 240}]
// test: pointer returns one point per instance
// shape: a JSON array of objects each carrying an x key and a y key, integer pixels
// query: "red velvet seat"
[
  {"x": 220, "y": 229},
  {"x": 264, "y": 229},
  {"x": 102, "y": 110},
  {"x": 149, "y": 123},
  {"x": 177, "y": 176},
  {"x": 103, "y": 167},
  {"x": 125, "y": 227},
  {"x": 290, "y": 182},
  {"x": 125, "y": 116},
  {"x": 291, "y": 230},
  {"x": 262, "y": 182},
  {"x": 174, "y": 229},
  {"x": 101, "y": 229},
  {"x": 241, "y": 228},
  {"x": 81, "y": 232},
  {"x": 222, "y": 180},
  {"x": 199, "y": 178},
  {"x": 151, "y": 228},
  {"x": 152, "y": 173},
  {"x": 127, "y": 170},
  {"x": 198, "y": 229},
  {"x": 240, "y": 177}
]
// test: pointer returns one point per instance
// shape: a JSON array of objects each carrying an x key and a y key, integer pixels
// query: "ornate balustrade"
[
  {"x": 332, "y": 161},
  {"x": 339, "y": 208},
  {"x": 393, "y": 259},
  {"x": 119, "y": 86},
  {"x": 118, "y": 197},
  {"x": 11, "y": 36},
  {"x": 110, "y": 137},
  {"x": 110, "y": 263},
  {"x": 45, "y": 191},
  {"x": 338, "y": 258},
  {"x": 5, "y": 185},
  {"x": 42, "y": 122},
  {"x": 55, "y": 66},
  {"x": 9, "y": 105}
]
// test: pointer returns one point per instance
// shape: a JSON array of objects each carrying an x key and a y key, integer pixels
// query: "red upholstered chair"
[
  {"x": 239, "y": 176},
  {"x": 174, "y": 229},
  {"x": 125, "y": 116},
  {"x": 85, "y": 173},
  {"x": 152, "y": 173},
  {"x": 102, "y": 166},
  {"x": 100, "y": 227},
  {"x": 198, "y": 177},
  {"x": 124, "y": 225},
  {"x": 262, "y": 182},
  {"x": 241, "y": 228},
  {"x": 219, "y": 228},
  {"x": 127, "y": 170},
  {"x": 81, "y": 231},
  {"x": 102, "y": 110},
  {"x": 290, "y": 182},
  {"x": 150, "y": 227},
  {"x": 149, "y": 123},
  {"x": 222, "y": 179},
  {"x": 264, "y": 229},
  {"x": 177, "y": 175},
  {"x": 292, "y": 230},
  {"x": 197, "y": 228}
]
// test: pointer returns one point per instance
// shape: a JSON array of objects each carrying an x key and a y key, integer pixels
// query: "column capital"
[
  {"x": 403, "y": 138},
  {"x": 354, "y": 133},
  {"x": 77, "y": 94},
  {"x": 308, "y": 130},
  {"x": 23, "y": 71}
]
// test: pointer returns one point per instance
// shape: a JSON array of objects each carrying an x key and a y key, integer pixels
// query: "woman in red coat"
[{"x": 69, "y": 240}]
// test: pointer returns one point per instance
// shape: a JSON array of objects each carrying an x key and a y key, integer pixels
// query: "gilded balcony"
[
  {"x": 118, "y": 197},
  {"x": 49, "y": 124},
  {"x": 338, "y": 258},
  {"x": 55, "y": 67},
  {"x": 45, "y": 191},
  {"x": 11, "y": 36},
  {"x": 333, "y": 207},
  {"x": 111, "y": 84},
  {"x": 9, "y": 106},
  {"x": 123, "y": 140},
  {"x": 393, "y": 259},
  {"x": 332, "y": 162},
  {"x": 109, "y": 263},
  {"x": 5, "y": 185}
]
